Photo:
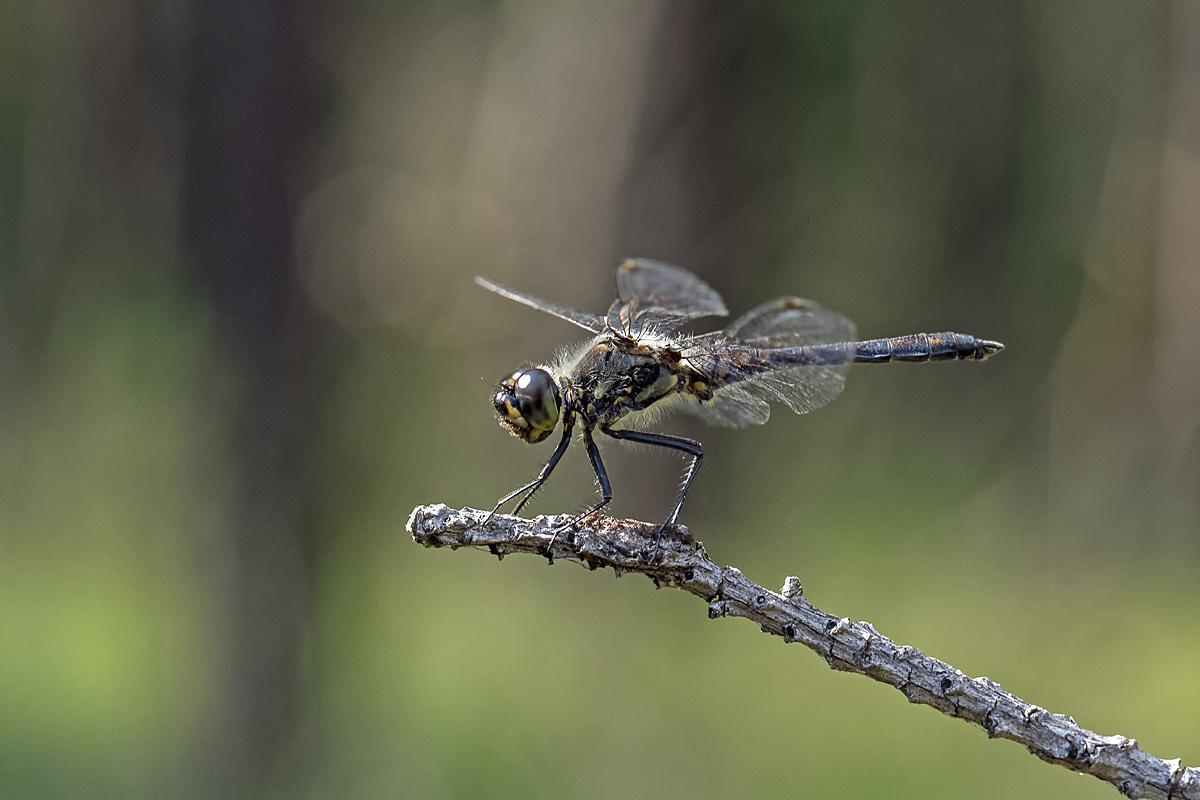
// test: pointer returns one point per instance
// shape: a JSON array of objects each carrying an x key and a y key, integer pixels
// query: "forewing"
[
  {"x": 657, "y": 297},
  {"x": 591, "y": 322}
]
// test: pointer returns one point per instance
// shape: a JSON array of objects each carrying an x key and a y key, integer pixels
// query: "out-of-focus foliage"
[{"x": 239, "y": 341}]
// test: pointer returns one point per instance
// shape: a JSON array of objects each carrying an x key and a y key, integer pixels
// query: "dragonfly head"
[{"x": 527, "y": 403}]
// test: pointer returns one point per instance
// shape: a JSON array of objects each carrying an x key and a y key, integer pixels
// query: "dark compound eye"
[
  {"x": 537, "y": 398},
  {"x": 527, "y": 403}
]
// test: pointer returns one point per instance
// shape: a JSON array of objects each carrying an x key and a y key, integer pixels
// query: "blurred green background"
[{"x": 239, "y": 341}]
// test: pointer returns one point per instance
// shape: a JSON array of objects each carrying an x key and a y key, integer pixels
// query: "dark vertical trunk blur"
[
  {"x": 251, "y": 102},
  {"x": 687, "y": 180}
]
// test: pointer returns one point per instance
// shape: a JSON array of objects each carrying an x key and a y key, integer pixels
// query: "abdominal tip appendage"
[{"x": 988, "y": 348}]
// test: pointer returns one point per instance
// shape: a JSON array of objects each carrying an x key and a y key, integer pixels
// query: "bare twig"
[{"x": 848, "y": 646}]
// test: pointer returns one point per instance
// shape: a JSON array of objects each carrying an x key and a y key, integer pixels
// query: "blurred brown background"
[{"x": 239, "y": 341}]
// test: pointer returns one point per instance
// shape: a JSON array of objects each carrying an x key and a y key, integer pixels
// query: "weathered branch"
[{"x": 848, "y": 646}]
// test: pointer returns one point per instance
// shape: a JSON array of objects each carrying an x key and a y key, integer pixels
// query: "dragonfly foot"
[
  {"x": 555, "y": 533},
  {"x": 554, "y": 538},
  {"x": 488, "y": 519},
  {"x": 657, "y": 540}
]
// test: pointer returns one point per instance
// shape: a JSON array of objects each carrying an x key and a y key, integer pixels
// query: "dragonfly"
[{"x": 636, "y": 366}]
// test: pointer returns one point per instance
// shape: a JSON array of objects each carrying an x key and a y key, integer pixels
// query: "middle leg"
[{"x": 605, "y": 488}]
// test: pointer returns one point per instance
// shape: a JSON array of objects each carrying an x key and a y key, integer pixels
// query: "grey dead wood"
[{"x": 624, "y": 545}]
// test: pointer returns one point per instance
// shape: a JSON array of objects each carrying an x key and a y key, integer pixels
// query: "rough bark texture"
[{"x": 848, "y": 646}]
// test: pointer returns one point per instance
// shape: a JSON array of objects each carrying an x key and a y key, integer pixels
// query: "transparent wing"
[
  {"x": 731, "y": 407},
  {"x": 790, "y": 322},
  {"x": 657, "y": 297},
  {"x": 591, "y": 322},
  {"x": 802, "y": 389},
  {"x": 745, "y": 386}
]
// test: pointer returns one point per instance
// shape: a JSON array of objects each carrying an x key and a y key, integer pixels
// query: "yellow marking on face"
[
  {"x": 513, "y": 415},
  {"x": 699, "y": 386}
]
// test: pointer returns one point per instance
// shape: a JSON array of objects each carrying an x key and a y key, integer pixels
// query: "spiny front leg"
[{"x": 537, "y": 482}]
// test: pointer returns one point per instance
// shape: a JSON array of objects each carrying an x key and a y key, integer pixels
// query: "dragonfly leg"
[
  {"x": 689, "y": 446},
  {"x": 605, "y": 488},
  {"x": 535, "y": 484}
]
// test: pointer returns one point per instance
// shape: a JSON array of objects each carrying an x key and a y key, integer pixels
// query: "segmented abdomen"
[{"x": 948, "y": 346}]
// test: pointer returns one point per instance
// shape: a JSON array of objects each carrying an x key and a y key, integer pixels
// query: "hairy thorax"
[{"x": 615, "y": 377}]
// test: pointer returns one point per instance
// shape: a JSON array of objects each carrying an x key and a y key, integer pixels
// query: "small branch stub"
[{"x": 847, "y": 646}]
